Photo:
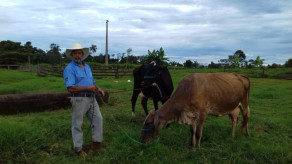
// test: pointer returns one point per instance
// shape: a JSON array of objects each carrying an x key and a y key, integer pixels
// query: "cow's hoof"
[{"x": 133, "y": 114}]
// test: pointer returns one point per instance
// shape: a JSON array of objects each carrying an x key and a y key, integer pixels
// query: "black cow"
[{"x": 154, "y": 82}]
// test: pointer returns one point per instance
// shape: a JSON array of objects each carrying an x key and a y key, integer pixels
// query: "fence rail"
[
  {"x": 10, "y": 66},
  {"x": 97, "y": 72}
]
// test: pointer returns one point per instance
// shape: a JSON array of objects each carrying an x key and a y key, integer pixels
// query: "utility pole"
[{"x": 106, "y": 45}]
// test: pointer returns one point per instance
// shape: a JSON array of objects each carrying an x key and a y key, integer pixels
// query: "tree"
[
  {"x": 140, "y": 59},
  {"x": 34, "y": 54},
  {"x": 28, "y": 44},
  {"x": 89, "y": 58},
  {"x": 224, "y": 62},
  {"x": 99, "y": 59},
  {"x": 288, "y": 63},
  {"x": 274, "y": 65},
  {"x": 251, "y": 63},
  {"x": 54, "y": 54},
  {"x": 238, "y": 58},
  {"x": 92, "y": 49},
  {"x": 188, "y": 64},
  {"x": 240, "y": 54},
  {"x": 123, "y": 58},
  {"x": 129, "y": 50},
  {"x": 259, "y": 61},
  {"x": 10, "y": 46},
  {"x": 156, "y": 55},
  {"x": 173, "y": 63},
  {"x": 213, "y": 65},
  {"x": 113, "y": 59},
  {"x": 241, "y": 58},
  {"x": 196, "y": 64},
  {"x": 132, "y": 59},
  {"x": 28, "y": 51},
  {"x": 11, "y": 53},
  {"x": 235, "y": 60},
  {"x": 231, "y": 60}
]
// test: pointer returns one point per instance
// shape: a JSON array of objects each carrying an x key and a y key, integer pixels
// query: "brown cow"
[{"x": 198, "y": 95}]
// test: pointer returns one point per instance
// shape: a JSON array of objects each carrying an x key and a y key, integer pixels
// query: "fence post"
[
  {"x": 263, "y": 72},
  {"x": 60, "y": 70},
  {"x": 39, "y": 70},
  {"x": 117, "y": 72}
]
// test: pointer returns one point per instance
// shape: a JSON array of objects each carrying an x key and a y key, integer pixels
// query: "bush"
[{"x": 288, "y": 63}]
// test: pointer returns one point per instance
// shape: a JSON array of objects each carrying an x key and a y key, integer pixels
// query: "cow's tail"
[
  {"x": 246, "y": 114},
  {"x": 245, "y": 107}
]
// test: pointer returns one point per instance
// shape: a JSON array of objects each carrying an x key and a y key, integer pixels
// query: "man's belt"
[{"x": 82, "y": 94}]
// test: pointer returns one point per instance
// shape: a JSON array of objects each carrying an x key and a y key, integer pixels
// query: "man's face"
[{"x": 77, "y": 55}]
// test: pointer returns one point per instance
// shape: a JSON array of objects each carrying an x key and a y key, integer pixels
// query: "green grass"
[
  {"x": 45, "y": 137},
  {"x": 14, "y": 82}
]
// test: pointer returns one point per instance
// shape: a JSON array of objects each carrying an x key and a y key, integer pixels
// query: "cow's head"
[
  {"x": 150, "y": 127},
  {"x": 149, "y": 73}
]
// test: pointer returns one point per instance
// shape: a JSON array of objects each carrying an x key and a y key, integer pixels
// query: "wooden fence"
[
  {"x": 22, "y": 68},
  {"x": 97, "y": 72},
  {"x": 10, "y": 66},
  {"x": 50, "y": 70}
]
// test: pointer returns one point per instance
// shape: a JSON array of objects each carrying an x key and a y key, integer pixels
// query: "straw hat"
[{"x": 77, "y": 46}]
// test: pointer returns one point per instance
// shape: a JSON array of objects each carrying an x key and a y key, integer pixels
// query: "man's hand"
[
  {"x": 91, "y": 88},
  {"x": 101, "y": 91}
]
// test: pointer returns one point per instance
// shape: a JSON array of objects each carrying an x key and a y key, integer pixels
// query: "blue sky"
[{"x": 197, "y": 30}]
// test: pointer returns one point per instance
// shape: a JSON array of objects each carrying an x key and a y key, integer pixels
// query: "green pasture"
[{"x": 45, "y": 137}]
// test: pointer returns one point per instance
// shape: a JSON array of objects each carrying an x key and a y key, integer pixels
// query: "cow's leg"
[
  {"x": 134, "y": 99},
  {"x": 193, "y": 136},
  {"x": 144, "y": 105},
  {"x": 245, "y": 115},
  {"x": 199, "y": 128},
  {"x": 233, "y": 116}
]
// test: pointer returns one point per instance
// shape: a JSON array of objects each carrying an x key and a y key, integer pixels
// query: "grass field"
[{"x": 45, "y": 137}]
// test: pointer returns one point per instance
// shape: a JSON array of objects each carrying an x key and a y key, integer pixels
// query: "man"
[{"x": 81, "y": 84}]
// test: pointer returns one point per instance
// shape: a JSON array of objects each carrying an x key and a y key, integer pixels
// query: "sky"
[{"x": 196, "y": 30}]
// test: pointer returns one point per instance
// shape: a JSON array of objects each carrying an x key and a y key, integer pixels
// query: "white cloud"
[
  {"x": 7, "y": 3},
  {"x": 201, "y": 30}
]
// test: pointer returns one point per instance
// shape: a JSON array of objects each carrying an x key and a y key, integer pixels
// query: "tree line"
[
  {"x": 14, "y": 53},
  {"x": 238, "y": 59}
]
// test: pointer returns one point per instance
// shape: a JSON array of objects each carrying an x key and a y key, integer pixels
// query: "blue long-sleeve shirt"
[{"x": 74, "y": 75}]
